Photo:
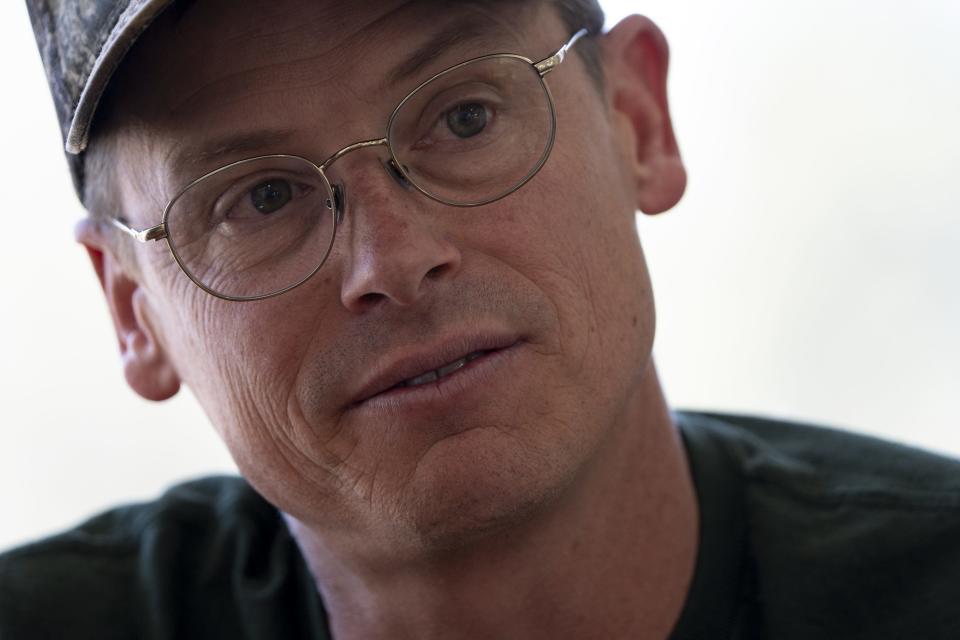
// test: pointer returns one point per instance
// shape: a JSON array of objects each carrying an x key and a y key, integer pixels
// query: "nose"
[{"x": 396, "y": 247}]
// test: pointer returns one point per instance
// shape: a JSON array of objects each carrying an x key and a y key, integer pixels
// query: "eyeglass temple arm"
[
  {"x": 547, "y": 65},
  {"x": 158, "y": 232}
]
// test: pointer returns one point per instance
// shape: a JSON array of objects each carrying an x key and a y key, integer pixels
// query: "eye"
[
  {"x": 273, "y": 195},
  {"x": 467, "y": 120}
]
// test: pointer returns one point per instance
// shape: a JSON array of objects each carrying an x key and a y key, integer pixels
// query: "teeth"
[
  {"x": 450, "y": 368},
  {"x": 433, "y": 376},
  {"x": 430, "y": 376}
]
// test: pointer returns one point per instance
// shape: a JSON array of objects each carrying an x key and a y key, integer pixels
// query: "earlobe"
[
  {"x": 636, "y": 60},
  {"x": 146, "y": 365}
]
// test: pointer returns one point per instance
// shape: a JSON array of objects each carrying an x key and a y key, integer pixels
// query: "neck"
[{"x": 613, "y": 558}]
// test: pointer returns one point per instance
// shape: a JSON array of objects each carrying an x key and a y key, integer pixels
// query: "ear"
[
  {"x": 636, "y": 59},
  {"x": 146, "y": 365}
]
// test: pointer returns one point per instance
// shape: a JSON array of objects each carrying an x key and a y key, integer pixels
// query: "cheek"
[
  {"x": 242, "y": 362},
  {"x": 572, "y": 230},
  {"x": 239, "y": 359}
]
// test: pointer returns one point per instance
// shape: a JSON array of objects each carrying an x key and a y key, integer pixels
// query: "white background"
[{"x": 810, "y": 272}]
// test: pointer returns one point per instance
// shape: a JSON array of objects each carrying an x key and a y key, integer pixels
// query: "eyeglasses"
[{"x": 468, "y": 136}]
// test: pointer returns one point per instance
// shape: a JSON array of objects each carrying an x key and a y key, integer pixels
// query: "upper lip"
[{"x": 405, "y": 364}]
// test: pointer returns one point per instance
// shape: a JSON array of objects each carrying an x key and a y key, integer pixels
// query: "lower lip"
[{"x": 475, "y": 377}]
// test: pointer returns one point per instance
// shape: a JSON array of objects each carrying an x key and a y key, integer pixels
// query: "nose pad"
[
  {"x": 339, "y": 203},
  {"x": 396, "y": 174}
]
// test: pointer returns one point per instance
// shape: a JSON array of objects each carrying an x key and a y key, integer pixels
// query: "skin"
[{"x": 544, "y": 495}]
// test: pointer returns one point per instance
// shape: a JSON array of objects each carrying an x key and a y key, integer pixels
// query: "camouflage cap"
[{"x": 82, "y": 42}]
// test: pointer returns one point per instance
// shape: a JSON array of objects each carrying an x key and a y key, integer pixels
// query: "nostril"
[
  {"x": 371, "y": 299},
  {"x": 437, "y": 271}
]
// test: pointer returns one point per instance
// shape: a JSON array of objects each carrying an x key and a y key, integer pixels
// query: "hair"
[{"x": 98, "y": 176}]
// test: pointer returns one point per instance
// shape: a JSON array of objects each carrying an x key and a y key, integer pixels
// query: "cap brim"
[{"x": 132, "y": 22}]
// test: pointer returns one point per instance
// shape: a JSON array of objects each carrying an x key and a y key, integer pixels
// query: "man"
[{"x": 390, "y": 246}]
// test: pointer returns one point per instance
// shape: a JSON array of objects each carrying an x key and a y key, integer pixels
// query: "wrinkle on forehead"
[
  {"x": 200, "y": 60},
  {"x": 313, "y": 48},
  {"x": 286, "y": 63}
]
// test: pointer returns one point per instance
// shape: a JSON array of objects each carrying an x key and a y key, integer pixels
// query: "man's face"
[{"x": 548, "y": 284}]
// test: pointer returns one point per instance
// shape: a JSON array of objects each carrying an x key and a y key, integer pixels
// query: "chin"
[{"x": 476, "y": 485}]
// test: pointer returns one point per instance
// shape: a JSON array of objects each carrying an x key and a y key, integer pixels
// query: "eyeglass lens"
[
  {"x": 476, "y": 132},
  {"x": 468, "y": 136}
]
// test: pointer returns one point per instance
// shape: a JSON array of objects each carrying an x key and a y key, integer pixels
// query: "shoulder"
[
  {"x": 110, "y": 574},
  {"x": 825, "y": 465},
  {"x": 851, "y": 534}
]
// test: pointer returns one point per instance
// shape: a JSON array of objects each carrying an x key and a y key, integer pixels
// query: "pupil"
[
  {"x": 271, "y": 196},
  {"x": 466, "y": 120}
]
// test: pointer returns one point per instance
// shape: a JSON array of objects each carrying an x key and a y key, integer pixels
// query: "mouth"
[
  {"x": 410, "y": 374},
  {"x": 442, "y": 372}
]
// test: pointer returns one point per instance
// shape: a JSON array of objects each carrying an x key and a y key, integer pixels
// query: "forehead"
[{"x": 207, "y": 70}]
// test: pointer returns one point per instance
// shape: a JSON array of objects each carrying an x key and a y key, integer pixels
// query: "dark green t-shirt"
[{"x": 805, "y": 533}]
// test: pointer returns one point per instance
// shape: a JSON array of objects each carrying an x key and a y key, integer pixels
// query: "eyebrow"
[
  {"x": 467, "y": 30},
  {"x": 235, "y": 145}
]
